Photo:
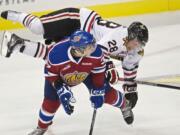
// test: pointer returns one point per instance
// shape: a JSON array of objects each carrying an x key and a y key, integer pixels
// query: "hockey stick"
[
  {"x": 92, "y": 122},
  {"x": 152, "y": 84}
]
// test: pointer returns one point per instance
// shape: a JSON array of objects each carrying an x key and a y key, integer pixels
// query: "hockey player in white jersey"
[{"x": 124, "y": 43}]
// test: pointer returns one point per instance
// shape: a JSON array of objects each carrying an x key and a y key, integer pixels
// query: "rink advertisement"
[
  {"x": 13, "y": 2},
  {"x": 106, "y": 8},
  {"x": 41, "y": 5}
]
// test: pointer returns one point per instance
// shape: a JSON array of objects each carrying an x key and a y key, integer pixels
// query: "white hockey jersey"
[{"x": 110, "y": 36}]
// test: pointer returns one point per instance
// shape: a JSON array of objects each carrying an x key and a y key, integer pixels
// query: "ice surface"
[{"x": 157, "y": 111}]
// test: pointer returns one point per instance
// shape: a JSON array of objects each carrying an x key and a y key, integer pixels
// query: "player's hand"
[
  {"x": 97, "y": 98},
  {"x": 66, "y": 97},
  {"x": 131, "y": 93},
  {"x": 111, "y": 73}
]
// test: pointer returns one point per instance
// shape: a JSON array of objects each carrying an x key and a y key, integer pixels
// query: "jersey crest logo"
[
  {"x": 76, "y": 38},
  {"x": 75, "y": 78}
]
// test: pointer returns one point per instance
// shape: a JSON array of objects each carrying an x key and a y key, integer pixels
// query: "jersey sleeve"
[
  {"x": 98, "y": 72},
  {"x": 51, "y": 72},
  {"x": 87, "y": 19},
  {"x": 130, "y": 65}
]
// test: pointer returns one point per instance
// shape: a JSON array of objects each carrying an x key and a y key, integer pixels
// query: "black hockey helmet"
[{"x": 139, "y": 31}]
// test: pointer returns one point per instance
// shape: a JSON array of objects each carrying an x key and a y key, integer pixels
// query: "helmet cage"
[{"x": 133, "y": 36}]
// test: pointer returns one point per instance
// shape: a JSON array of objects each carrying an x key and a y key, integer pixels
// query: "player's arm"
[
  {"x": 130, "y": 66},
  {"x": 98, "y": 77},
  {"x": 63, "y": 90},
  {"x": 111, "y": 73}
]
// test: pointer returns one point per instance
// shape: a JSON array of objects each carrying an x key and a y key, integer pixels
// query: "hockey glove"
[
  {"x": 97, "y": 97},
  {"x": 111, "y": 73},
  {"x": 66, "y": 97},
  {"x": 131, "y": 93},
  {"x": 48, "y": 41}
]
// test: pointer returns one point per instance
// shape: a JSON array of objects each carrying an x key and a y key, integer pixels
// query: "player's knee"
[
  {"x": 114, "y": 98},
  {"x": 110, "y": 96},
  {"x": 36, "y": 26},
  {"x": 132, "y": 97},
  {"x": 50, "y": 106}
]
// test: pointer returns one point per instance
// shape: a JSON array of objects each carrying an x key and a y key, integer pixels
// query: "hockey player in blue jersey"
[{"x": 69, "y": 62}]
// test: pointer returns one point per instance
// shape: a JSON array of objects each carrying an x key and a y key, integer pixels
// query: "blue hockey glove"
[
  {"x": 66, "y": 97},
  {"x": 97, "y": 97}
]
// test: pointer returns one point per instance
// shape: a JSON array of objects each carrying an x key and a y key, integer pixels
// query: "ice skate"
[
  {"x": 127, "y": 112},
  {"x": 38, "y": 131},
  {"x": 10, "y": 15},
  {"x": 9, "y": 43}
]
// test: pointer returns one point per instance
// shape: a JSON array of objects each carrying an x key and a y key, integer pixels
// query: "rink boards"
[{"x": 106, "y": 8}]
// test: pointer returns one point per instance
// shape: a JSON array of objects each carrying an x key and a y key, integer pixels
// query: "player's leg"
[
  {"x": 115, "y": 98},
  {"x": 60, "y": 23},
  {"x": 33, "y": 23},
  {"x": 13, "y": 43},
  {"x": 53, "y": 26},
  {"x": 48, "y": 109}
]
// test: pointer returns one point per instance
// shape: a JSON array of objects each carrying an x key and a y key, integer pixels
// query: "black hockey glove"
[
  {"x": 111, "y": 73},
  {"x": 131, "y": 93}
]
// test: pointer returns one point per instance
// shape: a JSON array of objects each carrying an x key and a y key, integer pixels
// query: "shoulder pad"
[
  {"x": 97, "y": 53},
  {"x": 59, "y": 53}
]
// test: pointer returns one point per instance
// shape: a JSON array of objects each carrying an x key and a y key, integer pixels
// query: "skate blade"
[{"x": 4, "y": 43}]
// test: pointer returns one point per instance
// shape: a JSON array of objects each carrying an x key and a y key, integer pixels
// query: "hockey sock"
[
  {"x": 47, "y": 112},
  {"x": 114, "y": 98},
  {"x": 30, "y": 21},
  {"x": 34, "y": 49}
]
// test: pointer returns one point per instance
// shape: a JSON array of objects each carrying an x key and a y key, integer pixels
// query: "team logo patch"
[
  {"x": 77, "y": 38},
  {"x": 75, "y": 78},
  {"x": 86, "y": 64}
]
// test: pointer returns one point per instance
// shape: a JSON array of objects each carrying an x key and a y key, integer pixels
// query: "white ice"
[{"x": 157, "y": 111}]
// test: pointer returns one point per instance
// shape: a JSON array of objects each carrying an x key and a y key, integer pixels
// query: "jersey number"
[
  {"x": 107, "y": 24},
  {"x": 112, "y": 45}
]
